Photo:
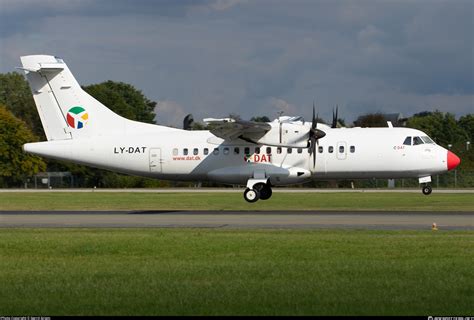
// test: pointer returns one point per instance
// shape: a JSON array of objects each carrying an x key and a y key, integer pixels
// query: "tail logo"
[{"x": 77, "y": 117}]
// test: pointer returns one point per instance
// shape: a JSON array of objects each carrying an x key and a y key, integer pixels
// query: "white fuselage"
[
  {"x": 173, "y": 154},
  {"x": 81, "y": 129}
]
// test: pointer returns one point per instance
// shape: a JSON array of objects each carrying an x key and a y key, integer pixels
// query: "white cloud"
[
  {"x": 257, "y": 58},
  {"x": 169, "y": 113},
  {"x": 369, "y": 34},
  {"x": 281, "y": 105},
  {"x": 225, "y": 4},
  {"x": 27, "y": 6}
]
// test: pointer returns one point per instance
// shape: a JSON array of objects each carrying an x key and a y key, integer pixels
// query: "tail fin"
[{"x": 66, "y": 111}]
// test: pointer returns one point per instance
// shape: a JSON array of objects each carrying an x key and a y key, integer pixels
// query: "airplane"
[{"x": 260, "y": 156}]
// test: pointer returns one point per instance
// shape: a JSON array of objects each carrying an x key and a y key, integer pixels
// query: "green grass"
[
  {"x": 235, "y": 201},
  {"x": 215, "y": 272}
]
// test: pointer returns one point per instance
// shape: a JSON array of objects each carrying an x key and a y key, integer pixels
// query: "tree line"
[{"x": 20, "y": 124}]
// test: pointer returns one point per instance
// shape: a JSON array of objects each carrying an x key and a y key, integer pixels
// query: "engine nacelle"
[{"x": 286, "y": 134}]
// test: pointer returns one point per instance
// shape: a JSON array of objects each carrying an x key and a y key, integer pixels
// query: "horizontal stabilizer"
[{"x": 42, "y": 64}]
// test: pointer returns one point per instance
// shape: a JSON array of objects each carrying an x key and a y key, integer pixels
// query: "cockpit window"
[
  {"x": 417, "y": 140},
  {"x": 427, "y": 139},
  {"x": 407, "y": 141}
]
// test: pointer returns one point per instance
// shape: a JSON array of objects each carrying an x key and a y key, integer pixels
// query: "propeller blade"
[
  {"x": 314, "y": 135},
  {"x": 313, "y": 146},
  {"x": 334, "y": 117}
]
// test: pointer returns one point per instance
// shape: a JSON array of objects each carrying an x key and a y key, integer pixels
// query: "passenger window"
[
  {"x": 320, "y": 149},
  {"x": 278, "y": 150},
  {"x": 206, "y": 151},
  {"x": 226, "y": 150},
  {"x": 300, "y": 150},
  {"x": 269, "y": 150},
  {"x": 185, "y": 151},
  {"x": 331, "y": 149},
  {"x": 216, "y": 151},
  {"x": 236, "y": 150},
  {"x": 407, "y": 141},
  {"x": 417, "y": 141},
  {"x": 353, "y": 149},
  {"x": 175, "y": 151},
  {"x": 195, "y": 151},
  {"x": 341, "y": 149},
  {"x": 257, "y": 150},
  {"x": 247, "y": 150},
  {"x": 289, "y": 150}
]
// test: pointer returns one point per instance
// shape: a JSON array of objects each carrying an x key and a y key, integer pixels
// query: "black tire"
[
  {"x": 426, "y": 190},
  {"x": 251, "y": 195},
  {"x": 265, "y": 193}
]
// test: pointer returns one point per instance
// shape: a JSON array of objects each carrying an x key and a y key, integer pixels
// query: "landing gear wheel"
[
  {"x": 265, "y": 192},
  {"x": 426, "y": 190},
  {"x": 264, "y": 189},
  {"x": 251, "y": 195}
]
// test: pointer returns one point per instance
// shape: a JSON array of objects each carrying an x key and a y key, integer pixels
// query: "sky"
[{"x": 212, "y": 58}]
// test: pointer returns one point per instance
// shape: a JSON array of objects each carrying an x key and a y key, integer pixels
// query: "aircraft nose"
[{"x": 453, "y": 160}]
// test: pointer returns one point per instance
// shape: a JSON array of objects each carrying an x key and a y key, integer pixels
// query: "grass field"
[
  {"x": 215, "y": 272},
  {"x": 235, "y": 201}
]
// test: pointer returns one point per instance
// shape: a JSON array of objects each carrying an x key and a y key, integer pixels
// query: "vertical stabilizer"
[{"x": 66, "y": 111}]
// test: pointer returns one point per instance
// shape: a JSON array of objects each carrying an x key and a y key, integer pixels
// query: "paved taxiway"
[{"x": 415, "y": 220}]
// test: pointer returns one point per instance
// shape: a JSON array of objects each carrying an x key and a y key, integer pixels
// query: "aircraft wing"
[{"x": 232, "y": 129}]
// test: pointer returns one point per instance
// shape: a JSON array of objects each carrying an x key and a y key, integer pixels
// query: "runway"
[
  {"x": 413, "y": 220},
  {"x": 234, "y": 190}
]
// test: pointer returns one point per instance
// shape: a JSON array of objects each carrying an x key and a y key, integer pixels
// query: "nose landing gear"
[
  {"x": 426, "y": 189},
  {"x": 425, "y": 185}
]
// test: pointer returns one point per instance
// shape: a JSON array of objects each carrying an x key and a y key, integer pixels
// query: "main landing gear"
[{"x": 258, "y": 191}]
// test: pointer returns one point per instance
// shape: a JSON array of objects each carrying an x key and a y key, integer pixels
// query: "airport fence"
[{"x": 451, "y": 179}]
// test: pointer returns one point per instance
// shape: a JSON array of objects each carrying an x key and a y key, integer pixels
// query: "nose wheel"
[{"x": 426, "y": 189}]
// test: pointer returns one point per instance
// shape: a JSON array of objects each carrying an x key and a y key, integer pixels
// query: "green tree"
[
  {"x": 15, "y": 164},
  {"x": 234, "y": 116},
  {"x": 467, "y": 124},
  {"x": 198, "y": 126},
  {"x": 120, "y": 97},
  {"x": 260, "y": 119},
  {"x": 129, "y": 102},
  {"x": 124, "y": 99},
  {"x": 441, "y": 127},
  {"x": 446, "y": 131},
  {"x": 16, "y": 95},
  {"x": 371, "y": 120}
]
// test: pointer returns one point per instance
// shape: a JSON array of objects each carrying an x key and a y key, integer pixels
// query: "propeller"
[
  {"x": 314, "y": 135},
  {"x": 334, "y": 117},
  {"x": 188, "y": 122}
]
